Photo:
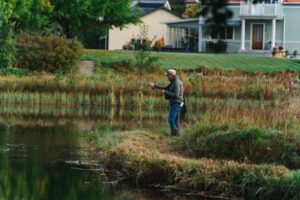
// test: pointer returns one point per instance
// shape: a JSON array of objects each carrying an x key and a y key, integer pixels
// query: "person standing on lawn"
[{"x": 174, "y": 93}]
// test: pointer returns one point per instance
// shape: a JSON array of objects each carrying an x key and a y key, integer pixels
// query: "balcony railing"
[{"x": 261, "y": 9}]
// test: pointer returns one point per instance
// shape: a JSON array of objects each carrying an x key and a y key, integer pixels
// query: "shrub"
[
  {"x": 7, "y": 48},
  {"x": 124, "y": 66},
  {"x": 13, "y": 71},
  {"x": 143, "y": 45},
  {"x": 127, "y": 46},
  {"x": 138, "y": 44},
  {"x": 216, "y": 47},
  {"x": 145, "y": 61},
  {"x": 203, "y": 69},
  {"x": 6, "y": 38},
  {"x": 248, "y": 144},
  {"x": 295, "y": 53},
  {"x": 279, "y": 52},
  {"x": 47, "y": 53},
  {"x": 159, "y": 44}
]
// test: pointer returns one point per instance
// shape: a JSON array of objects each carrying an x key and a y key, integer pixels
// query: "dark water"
[{"x": 35, "y": 144}]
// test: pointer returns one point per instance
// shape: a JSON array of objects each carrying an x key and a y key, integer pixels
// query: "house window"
[
  {"x": 270, "y": 1},
  {"x": 225, "y": 33}
]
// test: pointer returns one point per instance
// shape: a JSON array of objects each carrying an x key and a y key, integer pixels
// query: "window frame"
[{"x": 225, "y": 33}]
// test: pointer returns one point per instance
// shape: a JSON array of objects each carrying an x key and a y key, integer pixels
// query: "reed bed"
[
  {"x": 119, "y": 88},
  {"x": 56, "y": 99},
  {"x": 118, "y": 98},
  {"x": 242, "y": 88},
  {"x": 278, "y": 114}
]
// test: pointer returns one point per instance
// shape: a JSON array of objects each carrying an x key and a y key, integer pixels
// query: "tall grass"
[
  {"x": 278, "y": 114},
  {"x": 123, "y": 86},
  {"x": 281, "y": 113}
]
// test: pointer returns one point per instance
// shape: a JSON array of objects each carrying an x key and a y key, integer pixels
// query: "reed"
[
  {"x": 278, "y": 114},
  {"x": 125, "y": 85}
]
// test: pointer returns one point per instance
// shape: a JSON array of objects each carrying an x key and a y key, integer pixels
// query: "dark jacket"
[{"x": 173, "y": 91}]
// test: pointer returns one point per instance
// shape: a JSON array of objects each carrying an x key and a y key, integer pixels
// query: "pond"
[{"x": 37, "y": 142}]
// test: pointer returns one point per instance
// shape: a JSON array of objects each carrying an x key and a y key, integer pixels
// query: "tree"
[
  {"x": 81, "y": 18},
  {"x": 6, "y": 34},
  {"x": 117, "y": 13},
  {"x": 75, "y": 16},
  {"x": 177, "y": 6},
  {"x": 217, "y": 14},
  {"x": 144, "y": 60},
  {"x": 193, "y": 11},
  {"x": 30, "y": 15}
]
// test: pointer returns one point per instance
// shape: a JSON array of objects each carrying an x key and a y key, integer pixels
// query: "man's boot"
[
  {"x": 172, "y": 132},
  {"x": 176, "y": 132}
]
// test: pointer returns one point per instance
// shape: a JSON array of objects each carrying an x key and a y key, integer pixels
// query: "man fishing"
[{"x": 174, "y": 93}]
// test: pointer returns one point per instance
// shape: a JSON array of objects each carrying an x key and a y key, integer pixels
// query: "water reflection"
[
  {"x": 85, "y": 119},
  {"x": 32, "y": 144}
]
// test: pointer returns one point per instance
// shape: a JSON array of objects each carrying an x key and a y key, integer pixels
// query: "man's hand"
[
  {"x": 151, "y": 84},
  {"x": 163, "y": 91}
]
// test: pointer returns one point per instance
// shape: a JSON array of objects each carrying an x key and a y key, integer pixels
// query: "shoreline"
[{"x": 146, "y": 159}]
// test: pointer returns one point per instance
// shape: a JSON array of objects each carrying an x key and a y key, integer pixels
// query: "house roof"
[
  {"x": 284, "y": 1},
  {"x": 227, "y": 1},
  {"x": 291, "y": 1},
  {"x": 182, "y": 21},
  {"x": 147, "y": 6},
  {"x": 165, "y": 9},
  {"x": 191, "y": 1},
  {"x": 197, "y": 22}
]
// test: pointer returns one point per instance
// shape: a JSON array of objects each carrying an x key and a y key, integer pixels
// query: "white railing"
[{"x": 261, "y": 9}]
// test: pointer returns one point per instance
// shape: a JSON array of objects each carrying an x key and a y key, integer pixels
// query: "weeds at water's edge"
[
  {"x": 126, "y": 85},
  {"x": 142, "y": 158}
]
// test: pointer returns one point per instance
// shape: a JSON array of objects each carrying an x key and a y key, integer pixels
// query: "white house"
[
  {"x": 154, "y": 13},
  {"x": 254, "y": 28}
]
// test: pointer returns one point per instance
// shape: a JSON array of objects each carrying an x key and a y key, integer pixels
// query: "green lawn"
[{"x": 194, "y": 60}]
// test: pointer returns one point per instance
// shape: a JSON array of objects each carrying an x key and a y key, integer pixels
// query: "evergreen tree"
[{"x": 177, "y": 6}]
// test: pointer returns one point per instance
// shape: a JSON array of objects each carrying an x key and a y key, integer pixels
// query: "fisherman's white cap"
[{"x": 171, "y": 72}]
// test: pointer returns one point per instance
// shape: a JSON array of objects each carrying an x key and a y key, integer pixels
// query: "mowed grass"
[{"x": 194, "y": 60}]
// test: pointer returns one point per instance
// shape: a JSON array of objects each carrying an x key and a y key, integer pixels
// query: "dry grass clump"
[{"x": 248, "y": 144}]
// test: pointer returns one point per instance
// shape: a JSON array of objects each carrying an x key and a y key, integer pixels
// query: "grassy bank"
[
  {"x": 145, "y": 158},
  {"x": 194, "y": 60},
  {"x": 243, "y": 144}
]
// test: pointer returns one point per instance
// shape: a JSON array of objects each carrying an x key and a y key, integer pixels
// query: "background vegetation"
[
  {"x": 71, "y": 19},
  {"x": 51, "y": 54},
  {"x": 6, "y": 41}
]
